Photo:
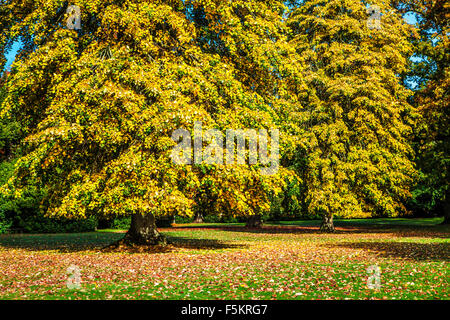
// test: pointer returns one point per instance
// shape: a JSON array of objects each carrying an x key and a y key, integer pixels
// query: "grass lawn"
[{"x": 284, "y": 260}]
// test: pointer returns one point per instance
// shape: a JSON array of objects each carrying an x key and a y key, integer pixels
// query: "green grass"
[
  {"x": 393, "y": 222},
  {"x": 285, "y": 260}
]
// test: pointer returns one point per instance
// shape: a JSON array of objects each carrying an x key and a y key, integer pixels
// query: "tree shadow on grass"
[
  {"x": 267, "y": 229},
  {"x": 202, "y": 244},
  {"x": 399, "y": 231},
  {"x": 403, "y": 250},
  {"x": 59, "y": 242},
  {"x": 67, "y": 243}
]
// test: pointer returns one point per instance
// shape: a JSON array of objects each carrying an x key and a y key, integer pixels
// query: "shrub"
[
  {"x": 41, "y": 224},
  {"x": 122, "y": 223}
]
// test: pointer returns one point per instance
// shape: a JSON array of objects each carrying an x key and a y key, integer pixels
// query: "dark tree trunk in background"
[
  {"x": 446, "y": 219},
  {"x": 327, "y": 223},
  {"x": 143, "y": 231},
  {"x": 104, "y": 224},
  {"x": 198, "y": 218},
  {"x": 446, "y": 212},
  {"x": 254, "y": 221}
]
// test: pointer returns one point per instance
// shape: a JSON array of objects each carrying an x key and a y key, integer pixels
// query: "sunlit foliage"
[
  {"x": 356, "y": 119},
  {"x": 99, "y": 105}
]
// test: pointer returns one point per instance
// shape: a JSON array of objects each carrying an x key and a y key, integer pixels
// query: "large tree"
[
  {"x": 431, "y": 76},
  {"x": 99, "y": 105},
  {"x": 355, "y": 159}
]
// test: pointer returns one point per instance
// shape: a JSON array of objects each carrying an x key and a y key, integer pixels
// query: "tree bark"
[
  {"x": 254, "y": 222},
  {"x": 198, "y": 218},
  {"x": 327, "y": 224},
  {"x": 143, "y": 231}
]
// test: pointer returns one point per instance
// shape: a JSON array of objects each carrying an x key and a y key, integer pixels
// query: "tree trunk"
[
  {"x": 198, "y": 218},
  {"x": 446, "y": 212},
  {"x": 327, "y": 224},
  {"x": 143, "y": 231},
  {"x": 254, "y": 221}
]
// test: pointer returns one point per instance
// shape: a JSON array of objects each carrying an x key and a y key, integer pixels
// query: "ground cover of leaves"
[{"x": 231, "y": 262}]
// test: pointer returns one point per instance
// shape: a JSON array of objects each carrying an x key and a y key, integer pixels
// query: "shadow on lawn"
[
  {"x": 403, "y": 250},
  {"x": 101, "y": 241},
  {"x": 267, "y": 229},
  {"x": 399, "y": 231},
  {"x": 201, "y": 244},
  {"x": 59, "y": 242}
]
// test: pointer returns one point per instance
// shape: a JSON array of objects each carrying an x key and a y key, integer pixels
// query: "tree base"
[
  {"x": 446, "y": 208},
  {"x": 157, "y": 240},
  {"x": 128, "y": 245},
  {"x": 446, "y": 212},
  {"x": 198, "y": 218},
  {"x": 327, "y": 225},
  {"x": 143, "y": 231}
]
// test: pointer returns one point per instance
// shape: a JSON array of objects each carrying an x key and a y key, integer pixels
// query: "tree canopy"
[
  {"x": 357, "y": 121},
  {"x": 96, "y": 107},
  {"x": 99, "y": 105}
]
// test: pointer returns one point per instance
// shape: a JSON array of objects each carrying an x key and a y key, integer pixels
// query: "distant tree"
[{"x": 356, "y": 155}]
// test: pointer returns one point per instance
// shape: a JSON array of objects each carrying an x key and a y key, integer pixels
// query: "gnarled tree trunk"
[
  {"x": 254, "y": 221},
  {"x": 327, "y": 223},
  {"x": 143, "y": 231}
]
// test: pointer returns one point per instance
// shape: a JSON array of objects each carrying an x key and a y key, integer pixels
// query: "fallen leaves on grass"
[{"x": 229, "y": 264}]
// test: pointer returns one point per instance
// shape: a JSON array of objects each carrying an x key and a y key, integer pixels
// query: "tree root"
[{"x": 127, "y": 244}]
